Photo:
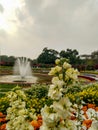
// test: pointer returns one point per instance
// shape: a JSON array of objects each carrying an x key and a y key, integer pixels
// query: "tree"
[
  {"x": 48, "y": 56},
  {"x": 72, "y": 55},
  {"x": 94, "y": 57},
  {"x": 4, "y": 58},
  {"x": 11, "y": 60}
]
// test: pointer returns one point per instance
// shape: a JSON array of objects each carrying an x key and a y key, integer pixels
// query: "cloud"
[
  {"x": 1, "y": 8},
  {"x": 55, "y": 24}
]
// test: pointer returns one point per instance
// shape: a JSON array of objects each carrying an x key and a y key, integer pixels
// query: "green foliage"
[
  {"x": 74, "y": 89},
  {"x": 72, "y": 55},
  {"x": 48, "y": 56},
  {"x": 38, "y": 91},
  {"x": 88, "y": 94},
  {"x": 4, "y": 101},
  {"x": 38, "y": 104},
  {"x": 7, "y": 60},
  {"x": 94, "y": 56},
  {"x": 4, "y": 104},
  {"x": 38, "y": 97},
  {"x": 5, "y": 88}
]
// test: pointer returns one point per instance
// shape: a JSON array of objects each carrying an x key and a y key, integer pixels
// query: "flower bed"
[
  {"x": 64, "y": 105},
  {"x": 89, "y": 115}
]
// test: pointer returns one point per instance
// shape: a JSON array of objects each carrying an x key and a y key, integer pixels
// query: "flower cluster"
[
  {"x": 2, "y": 121},
  {"x": 57, "y": 116},
  {"x": 4, "y": 104},
  {"x": 87, "y": 115},
  {"x": 17, "y": 113},
  {"x": 90, "y": 116},
  {"x": 88, "y": 93},
  {"x": 64, "y": 76}
]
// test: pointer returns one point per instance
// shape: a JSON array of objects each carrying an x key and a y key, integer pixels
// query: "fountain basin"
[{"x": 17, "y": 79}]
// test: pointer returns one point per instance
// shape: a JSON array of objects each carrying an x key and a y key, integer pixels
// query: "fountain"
[
  {"x": 22, "y": 72},
  {"x": 22, "y": 68}
]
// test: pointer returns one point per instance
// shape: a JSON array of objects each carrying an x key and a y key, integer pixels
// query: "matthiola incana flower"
[
  {"x": 12, "y": 94},
  {"x": 60, "y": 76},
  {"x": 56, "y": 88},
  {"x": 62, "y": 107},
  {"x": 66, "y": 65},
  {"x": 72, "y": 73},
  {"x": 52, "y": 120},
  {"x": 57, "y": 61},
  {"x": 50, "y": 117},
  {"x": 56, "y": 81},
  {"x": 19, "y": 124},
  {"x": 55, "y": 70},
  {"x": 57, "y": 116},
  {"x": 92, "y": 114},
  {"x": 94, "y": 125},
  {"x": 55, "y": 92},
  {"x": 21, "y": 94},
  {"x": 17, "y": 113}
]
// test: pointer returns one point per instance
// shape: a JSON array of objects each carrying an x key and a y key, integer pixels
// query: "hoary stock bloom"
[
  {"x": 57, "y": 61},
  {"x": 57, "y": 116},
  {"x": 71, "y": 75},
  {"x": 62, "y": 107},
  {"x": 17, "y": 113},
  {"x": 55, "y": 70},
  {"x": 55, "y": 92},
  {"x": 66, "y": 65},
  {"x": 94, "y": 125},
  {"x": 56, "y": 81},
  {"x": 50, "y": 117},
  {"x": 56, "y": 89}
]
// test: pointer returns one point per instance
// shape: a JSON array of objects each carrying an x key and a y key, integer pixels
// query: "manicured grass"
[
  {"x": 90, "y": 72},
  {"x": 5, "y": 88}
]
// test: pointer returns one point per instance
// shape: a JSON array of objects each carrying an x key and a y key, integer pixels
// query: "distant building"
[{"x": 85, "y": 56}]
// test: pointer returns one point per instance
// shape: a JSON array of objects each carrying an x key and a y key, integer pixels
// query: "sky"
[{"x": 28, "y": 26}]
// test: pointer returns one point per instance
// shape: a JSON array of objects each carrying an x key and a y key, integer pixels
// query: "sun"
[{"x": 8, "y": 19}]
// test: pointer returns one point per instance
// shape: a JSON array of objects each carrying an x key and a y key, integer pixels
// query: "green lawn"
[{"x": 5, "y": 88}]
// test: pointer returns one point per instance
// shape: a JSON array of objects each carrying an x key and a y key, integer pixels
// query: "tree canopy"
[
  {"x": 72, "y": 55},
  {"x": 48, "y": 56}
]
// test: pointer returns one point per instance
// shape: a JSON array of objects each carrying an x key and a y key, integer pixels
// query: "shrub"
[
  {"x": 88, "y": 94},
  {"x": 38, "y": 97}
]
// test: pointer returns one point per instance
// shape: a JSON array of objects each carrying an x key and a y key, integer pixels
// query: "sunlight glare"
[{"x": 8, "y": 15}]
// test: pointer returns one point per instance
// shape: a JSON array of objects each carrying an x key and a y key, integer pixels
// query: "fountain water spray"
[{"x": 22, "y": 68}]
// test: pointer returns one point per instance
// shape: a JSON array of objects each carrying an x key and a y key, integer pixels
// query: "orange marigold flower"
[
  {"x": 39, "y": 117},
  {"x": 87, "y": 123},
  {"x": 3, "y": 127},
  {"x": 35, "y": 124},
  {"x": 91, "y": 105},
  {"x": 40, "y": 122},
  {"x": 96, "y": 108},
  {"x": 84, "y": 108},
  {"x": 1, "y": 114}
]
